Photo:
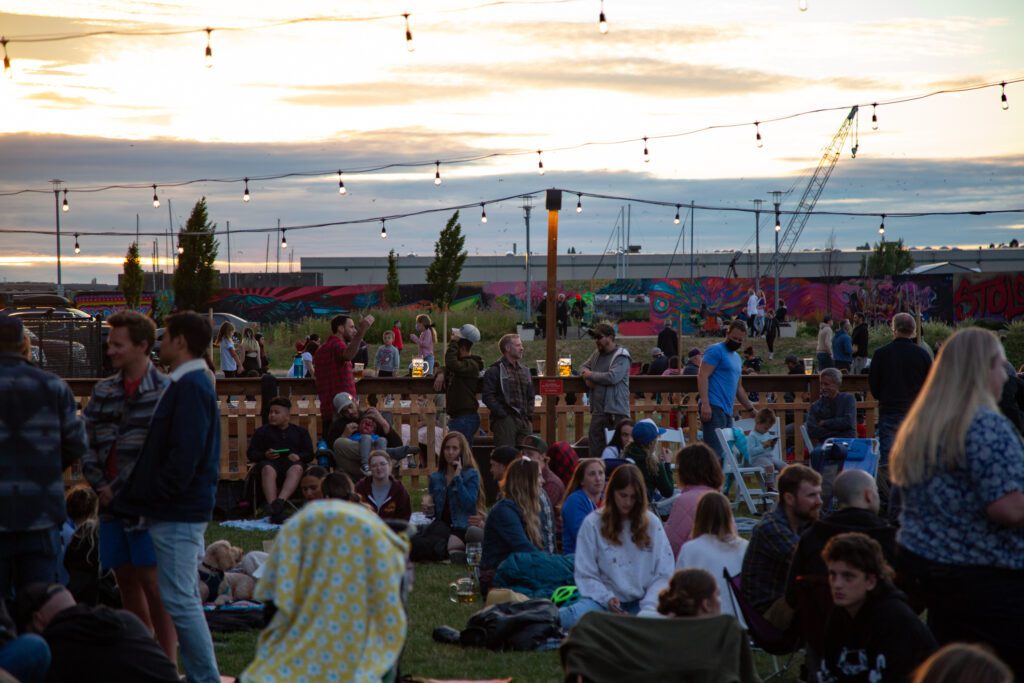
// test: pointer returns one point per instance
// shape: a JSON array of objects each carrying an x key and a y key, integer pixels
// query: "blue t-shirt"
[
  {"x": 944, "y": 518},
  {"x": 726, "y": 377}
]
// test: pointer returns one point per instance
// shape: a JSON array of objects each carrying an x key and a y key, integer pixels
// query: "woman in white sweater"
[
  {"x": 715, "y": 546},
  {"x": 623, "y": 558}
]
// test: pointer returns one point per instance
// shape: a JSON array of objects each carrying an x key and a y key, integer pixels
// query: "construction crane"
[{"x": 798, "y": 219}]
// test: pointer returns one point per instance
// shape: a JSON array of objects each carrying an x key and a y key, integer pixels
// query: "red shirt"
[
  {"x": 397, "y": 331},
  {"x": 333, "y": 373}
]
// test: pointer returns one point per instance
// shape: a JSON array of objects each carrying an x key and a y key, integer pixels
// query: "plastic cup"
[{"x": 542, "y": 368}]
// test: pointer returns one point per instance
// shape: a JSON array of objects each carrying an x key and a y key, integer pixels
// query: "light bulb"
[
  {"x": 757, "y": 127},
  {"x": 156, "y": 200},
  {"x": 181, "y": 249},
  {"x": 284, "y": 239},
  {"x": 881, "y": 227},
  {"x": 483, "y": 213},
  {"x": 408, "y": 34},
  {"x": 778, "y": 223},
  {"x": 341, "y": 185},
  {"x": 245, "y": 193},
  {"x": 602, "y": 21},
  {"x": 540, "y": 163},
  {"x": 579, "y": 203},
  {"x": 802, "y": 4},
  {"x": 874, "y": 117},
  {"x": 8, "y": 72},
  {"x": 383, "y": 231},
  {"x": 647, "y": 155},
  {"x": 437, "y": 172},
  {"x": 209, "y": 50},
  {"x": 1002, "y": 98},
  {"x": 676, "y": 219},
  {"x": 78, "y": 249},
  {"x": 65, "y": 207}
]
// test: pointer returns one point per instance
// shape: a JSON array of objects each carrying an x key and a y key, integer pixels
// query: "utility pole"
[
  {"x": 693, "y": 228},
  {"x": 757, "y": 243},
  {"x": 278, "y": 252},
  {"x": 229, "y": 252},
  {"x": 777, "y": 201},
  {"x": 527, "y": 207},
  {"x": 553, "y": 202},
  {"x": 173, "y": 253},
  {"x": 58, "y": 185}
]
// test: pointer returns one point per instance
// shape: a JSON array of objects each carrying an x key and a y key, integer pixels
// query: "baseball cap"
[
  {"x": 601, "y": 330},
  {"x": 645, "y": 432},
  {"x": 694, "y": 352},
  {"x": 534, "y": 443},
  {"x": 504, "y": 454},
  {"x": 470, "y": 333},
  {"x": 342, "y": 400},
  {"x": 12, "y": 330},
  {"x": 657, "y": 352}
]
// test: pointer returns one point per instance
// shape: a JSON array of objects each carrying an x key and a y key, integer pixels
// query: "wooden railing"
[{"x": 412, "y": 406}]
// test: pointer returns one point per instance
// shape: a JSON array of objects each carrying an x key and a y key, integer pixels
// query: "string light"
[
  {"x": 1002, "y": 98},
  {"x": 8, "y": 72},
  {"x": 874, "y": 117},
  {"x": 156, "y": 200},
  {"x": 778, "y": 221},
  {"x": 65, "y": 207},
  {"x": 383, "y": 230},
  {"x": 647, "y": 155},
  {"x": 437, "y": 172},
  {"x": 408, "y": 34},
  {"x": 284, "y": 239},
  {"x": 341, "y": 185},
  {"x": 540, "y": 162},
  {"x": 78, "y": 249},
  {"x": 209, "y": 50},
  {"x": 757, "y": 128},
  {"x": 676, "y": 219},
  {"x": 579, "y": 203},
  {"x": 245, "y": 192},
  {"x": 483, "y": 213},
  {"x": 881, "y": 227},
  {"x": 802, "y": 4},
  {"x": 602, "y": 21}
]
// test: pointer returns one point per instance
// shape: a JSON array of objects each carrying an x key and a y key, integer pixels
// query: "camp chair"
[
  {"x": 861, "y": 454},
  {"x": 763, "y": 634},
  {"x": 730, "y": 466}
]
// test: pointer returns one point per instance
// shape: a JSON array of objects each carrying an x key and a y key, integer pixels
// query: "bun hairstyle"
[{"x": 686, "y": 592}]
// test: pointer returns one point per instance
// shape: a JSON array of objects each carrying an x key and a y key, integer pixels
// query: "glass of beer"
[
  {"x": 419, "y": 367},
  {"x": 564, "y": 367},
  {"x": 808, "y": 366},
  {"x": 357, "y": 370},
  {"x": 462, "y": 591}
]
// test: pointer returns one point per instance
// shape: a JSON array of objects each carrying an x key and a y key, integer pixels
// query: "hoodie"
[
  {"x": 610, "y": 375},
  {"x": 103, "y": 645}
]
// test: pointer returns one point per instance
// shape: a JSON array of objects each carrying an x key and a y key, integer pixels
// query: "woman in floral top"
[{"x": 959, "y": 465}]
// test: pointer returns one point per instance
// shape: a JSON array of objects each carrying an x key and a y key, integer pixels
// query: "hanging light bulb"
[
  {"x": 602, "y": 21},
  {"x": 209, "y": 50},
  {"x": 341, "y": 185},
  {"x": 181, "y": 249},
  {"x": 408, "y": 34},
  {"x": 757, "y": 127},
  {"x": 8, "y": 72},
  {"x": 284, "y": 239},
  {"x": 245, "y": 193},
  {"x": 802, "y": 4},
  {"x": 65, "y": 207},
  {"x": 540, "y": 162},
  {"x": 579, "y": 203},
  {"x": 1002, "y": 98},
  {"x": 647, "y": 155},
  {"x": 676, "y": 219},
  {"x": 778, "y": 222},
  {"x": 437, "y": 172},
  {"x": 383, "y": 230},
  {"x": 156, "y": 200},
  {"x": 483, "y": 213},
  {"x": 881, "y": 227},
  {"x": 78, "y": 249},
  {"x": 874, "y": 117}
]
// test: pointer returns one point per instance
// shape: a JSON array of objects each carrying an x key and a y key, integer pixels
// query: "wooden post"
[{"x": 554, "y": 205}]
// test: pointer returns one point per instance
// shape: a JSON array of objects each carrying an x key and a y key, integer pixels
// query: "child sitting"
[{"x": 761, "y": 446}]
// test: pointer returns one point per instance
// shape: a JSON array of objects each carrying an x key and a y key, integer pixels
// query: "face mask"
[{"x": 733, "y": 345}]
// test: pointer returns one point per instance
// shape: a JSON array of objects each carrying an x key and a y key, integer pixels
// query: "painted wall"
[
  {"x": 999, "y": 297},
  {"x": 106, "y": 304}
]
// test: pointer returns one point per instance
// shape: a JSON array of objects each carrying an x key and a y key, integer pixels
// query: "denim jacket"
[{"x": 463, "y": 491}]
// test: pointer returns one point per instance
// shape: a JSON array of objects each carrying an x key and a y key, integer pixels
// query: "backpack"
[{"x": 513, "y": 626}]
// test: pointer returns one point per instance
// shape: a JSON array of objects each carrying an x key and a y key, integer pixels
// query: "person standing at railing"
[
  {"x": 720, "y": 384},
  {"x": 823, "y": 350},
  {"x": 606, "y": 373},
  {"x": 459, "y": 378},
  {"x": 332, "y": 363},
  {"x": 508, "y": 394}
]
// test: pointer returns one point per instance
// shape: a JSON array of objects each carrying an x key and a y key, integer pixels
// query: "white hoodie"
[{"x": 605, "y": 571}]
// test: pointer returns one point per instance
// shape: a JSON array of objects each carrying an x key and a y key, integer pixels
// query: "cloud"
[
  {"x": 57, "y": 100},
  {"x": 373, "y": 94}
]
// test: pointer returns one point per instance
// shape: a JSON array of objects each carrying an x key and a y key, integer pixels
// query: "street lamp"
[
  {"x": 757, "y": 243},
  {"x": 777, "y": 201},
  {"x": 58, "y": 185}
]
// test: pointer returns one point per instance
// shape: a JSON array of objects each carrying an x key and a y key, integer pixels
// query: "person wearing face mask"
[{"x": 720, "y": 384}]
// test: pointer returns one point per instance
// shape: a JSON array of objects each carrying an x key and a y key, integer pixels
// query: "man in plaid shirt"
[
  {"x": 766, "y": 563},
  {"x": 508, "y": 394},
  {"x": 332, "y": 363}
]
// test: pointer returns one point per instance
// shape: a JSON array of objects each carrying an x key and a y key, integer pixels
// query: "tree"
[
  {"x": 887, "y": 259},
  {"x": 392, "y": 294},
  {"x": 444, "y": 273},
  {"x": 195, "y": 279},
  {"x": 132, "y": 281}
]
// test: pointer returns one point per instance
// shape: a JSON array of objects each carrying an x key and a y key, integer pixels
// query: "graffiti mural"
[
  {"x": 106, "y": 304},
  {"x": 989, "y": 296}
]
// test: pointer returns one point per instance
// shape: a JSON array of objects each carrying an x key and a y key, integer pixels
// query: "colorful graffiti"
[
  {"x": 106, "y": 304},
  {"x": 989, "y": 296}
]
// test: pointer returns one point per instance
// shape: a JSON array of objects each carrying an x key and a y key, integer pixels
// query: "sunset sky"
[{"x": 347, "y": 94}]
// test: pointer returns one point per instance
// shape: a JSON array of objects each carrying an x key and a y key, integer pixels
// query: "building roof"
[{"x": 942, "y": 268}]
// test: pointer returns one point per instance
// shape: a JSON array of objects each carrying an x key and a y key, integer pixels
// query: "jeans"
[
  {"x": 27, "y": 658},
  {"x": 178, "y": 545},
  {"x": 719, "y": 420},
  {"x": 824, "y": 361},
  {"x": 888, "y": 425},
  {"x": 571, "y": 614},
  {"x": 467, "y": 425},
  {"x": 28, "y": 557},
  {"x": 510, "y": 430}
]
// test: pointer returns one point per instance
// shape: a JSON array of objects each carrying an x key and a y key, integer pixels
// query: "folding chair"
[
  {"x": 731, "y": 467},
  {"x": 861, "y": 454},
  {"x": 806, "y": 436},
  {"x": 763, "y": 634}
]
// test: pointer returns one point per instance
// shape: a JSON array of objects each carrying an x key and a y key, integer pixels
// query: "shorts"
[
  {"x": 119, "y": 547},
  {"x": 280, "y": 465}
]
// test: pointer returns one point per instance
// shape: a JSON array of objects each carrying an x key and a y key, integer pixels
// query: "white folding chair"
[
  {"x": 806, "y": 436},
  {"x": 744, "y": 493}
]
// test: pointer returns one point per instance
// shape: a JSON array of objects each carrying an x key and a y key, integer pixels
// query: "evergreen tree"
[
  {"x": 888, "y": 259},
  {"x": 444, "y": 273},
  {"x": 392, "y": 294},
  {"x": 132, "y": 280},
  {"x": 195, "y": 279}
]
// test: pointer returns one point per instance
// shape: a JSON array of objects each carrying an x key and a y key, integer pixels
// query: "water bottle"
[{"x": 323, "y": 454}]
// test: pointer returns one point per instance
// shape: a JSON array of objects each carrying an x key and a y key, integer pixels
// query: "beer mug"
[
  {"x": 462, "y": 591},
  {"x": 419, "y": 366},
  {"x": 357, "y": 370},
  {"x": 542, "y": 368},
  {"x": 564, "y": 367}
]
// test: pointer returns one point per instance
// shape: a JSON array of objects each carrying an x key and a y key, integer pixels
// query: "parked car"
[
  {"x": 218, "y": 320},
  {"x": 64, "y": 347}
]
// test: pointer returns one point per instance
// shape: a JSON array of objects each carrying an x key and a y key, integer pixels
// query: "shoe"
[
  {"x": 278, "y": 511},
  {"x": 446, "y": 634}
]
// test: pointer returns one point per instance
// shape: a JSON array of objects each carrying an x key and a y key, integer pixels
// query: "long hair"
[
  {"x": 623, "y": 477},
  {"x": 617, "y": 436},
  {"x": 714, "y": 516},
  {"x": 521, "y": 485},
  {"x": 578, "y": 474},
  {"x": 249, "y": 342},
  {"x": 468, "y": 462},
  {"x": 226, "y": 329},
  {"x": 428, "y": 325},
  {"x": 931, "y": 438}
]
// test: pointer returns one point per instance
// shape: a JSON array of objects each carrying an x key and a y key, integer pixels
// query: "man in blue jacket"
[
  {"x": 40, "y": 437},
  {"x": 174, "y": 482}
]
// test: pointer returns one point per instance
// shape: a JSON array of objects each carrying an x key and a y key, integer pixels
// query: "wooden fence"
[{"x": 412, "y": 406}]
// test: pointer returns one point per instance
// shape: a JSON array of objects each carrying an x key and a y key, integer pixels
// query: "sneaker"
[{"x": 278, "y": 511}]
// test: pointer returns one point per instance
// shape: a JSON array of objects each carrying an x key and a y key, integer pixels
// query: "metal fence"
[{"x": 68, "y": 347}]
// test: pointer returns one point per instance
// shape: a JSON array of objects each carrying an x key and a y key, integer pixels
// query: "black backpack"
[{"x": 513, "y": 626}]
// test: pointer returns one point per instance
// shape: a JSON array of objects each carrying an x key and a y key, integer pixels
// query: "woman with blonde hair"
[
  {"x": 455, "y": 491},
  {"x": 229, "y": 360},
  {"x": 514, "y": 524},
  {"x": 715, "y": 545},
  {"x": 959, "y": 466},
  {"x": 584, "y": 494},
  {"x": 425, "y": 337},
  {"x": 250, "y": 351},
  {"x": 963, "y": 662},
  {"x": 623, "y": 559}
]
